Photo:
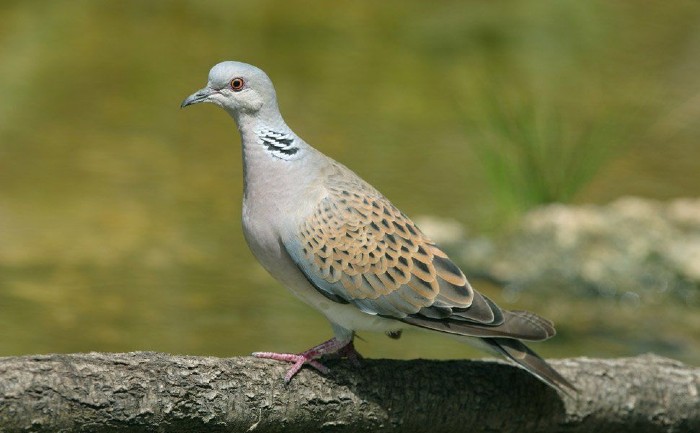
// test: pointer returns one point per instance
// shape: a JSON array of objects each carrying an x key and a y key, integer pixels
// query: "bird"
[{"x": 342, "y": 247}]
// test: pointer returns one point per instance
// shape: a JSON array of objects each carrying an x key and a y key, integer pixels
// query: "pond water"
[{"x": 120, "y": 214}]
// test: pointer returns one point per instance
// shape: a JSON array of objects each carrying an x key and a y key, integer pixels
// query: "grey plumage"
[{"x": 342, "y": 247}]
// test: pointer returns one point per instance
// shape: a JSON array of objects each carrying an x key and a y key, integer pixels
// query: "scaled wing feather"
[{"x": 360, "y": 248}]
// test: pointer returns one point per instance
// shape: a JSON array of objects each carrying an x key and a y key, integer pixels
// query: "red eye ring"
[{"x": 237, "y": 84}]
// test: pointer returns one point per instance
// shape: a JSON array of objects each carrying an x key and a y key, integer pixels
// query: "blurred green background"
[{"x": 120, "y": 214}]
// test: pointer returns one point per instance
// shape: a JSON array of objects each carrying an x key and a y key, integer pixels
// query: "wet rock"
[{"x": 633, "y": 249}]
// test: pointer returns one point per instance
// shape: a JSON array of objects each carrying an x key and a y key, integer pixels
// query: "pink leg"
[
  {"x": 348, "y": 351},
  {"x": 330, "y": 347}
]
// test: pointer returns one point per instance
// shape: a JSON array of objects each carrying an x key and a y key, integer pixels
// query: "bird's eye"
[{"x": 237, "y": 84}]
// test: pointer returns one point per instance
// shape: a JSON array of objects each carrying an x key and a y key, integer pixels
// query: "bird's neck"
[
  {"x": 271, "y": 152},
  {"x": 267, "y": 133}
]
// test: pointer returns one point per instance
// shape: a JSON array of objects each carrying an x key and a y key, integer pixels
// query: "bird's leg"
[
  {"x": 348, "y": 351},
  {"x": 341, "y": 347}
]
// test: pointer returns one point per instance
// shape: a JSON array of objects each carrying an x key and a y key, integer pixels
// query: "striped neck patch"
[{"x": 280, "y": 144}]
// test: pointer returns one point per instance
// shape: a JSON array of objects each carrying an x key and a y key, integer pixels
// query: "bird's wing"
[{"x": 356, "y": 247}]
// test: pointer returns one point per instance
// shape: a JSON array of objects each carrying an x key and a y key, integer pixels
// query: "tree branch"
[{"x": 140, "y": 392}]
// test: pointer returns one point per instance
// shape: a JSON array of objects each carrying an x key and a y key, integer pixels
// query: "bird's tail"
[{"x": 522, "y": 355}]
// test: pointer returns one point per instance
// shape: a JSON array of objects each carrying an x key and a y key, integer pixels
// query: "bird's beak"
[{"x": 197, "y": 97}]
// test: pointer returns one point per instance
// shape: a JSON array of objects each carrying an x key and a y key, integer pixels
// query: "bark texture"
[{"x": 154, "y": 392}]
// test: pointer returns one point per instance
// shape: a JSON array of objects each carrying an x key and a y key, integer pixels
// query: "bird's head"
[{"x": 239, "y": 88}]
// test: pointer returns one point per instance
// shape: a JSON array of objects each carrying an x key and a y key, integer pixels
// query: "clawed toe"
[
  {"x": 298, "y": 359},
  {"x": 342, "y": 348}
]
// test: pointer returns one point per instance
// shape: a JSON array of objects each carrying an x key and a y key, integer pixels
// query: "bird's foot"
[
  {"x": 330, "y": 347},
  {"x": 348, "y": 351}
]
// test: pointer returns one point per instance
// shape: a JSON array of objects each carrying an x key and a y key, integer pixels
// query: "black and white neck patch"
[{"x": 280, "y": 144}]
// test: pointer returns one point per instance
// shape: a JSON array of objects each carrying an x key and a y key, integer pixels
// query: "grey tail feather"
[{"x": 522, "y": 355}]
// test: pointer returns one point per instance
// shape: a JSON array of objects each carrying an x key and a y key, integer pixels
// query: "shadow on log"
[{"x": 144, "y": 392}]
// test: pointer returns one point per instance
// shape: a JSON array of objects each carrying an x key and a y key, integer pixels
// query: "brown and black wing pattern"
[{"x": 357, "y": 247}]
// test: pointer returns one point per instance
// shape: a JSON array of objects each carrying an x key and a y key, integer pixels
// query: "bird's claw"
[
  {"x": 310, "y": 357},
  {"x": 297, "y": 359}
]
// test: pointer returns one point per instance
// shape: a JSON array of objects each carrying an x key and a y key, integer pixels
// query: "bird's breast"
[{"x": 265, "y": 223}]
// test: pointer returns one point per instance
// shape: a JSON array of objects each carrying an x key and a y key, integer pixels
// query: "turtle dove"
[{"x": 342, "y": 247}]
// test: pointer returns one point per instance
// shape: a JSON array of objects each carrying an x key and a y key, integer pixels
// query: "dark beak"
[{"x": 196, "y": 98}]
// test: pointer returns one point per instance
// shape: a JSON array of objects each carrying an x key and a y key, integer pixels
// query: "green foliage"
[
  {"x": 551, "y": 95},
  {"x": 536, "y": 152}
]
